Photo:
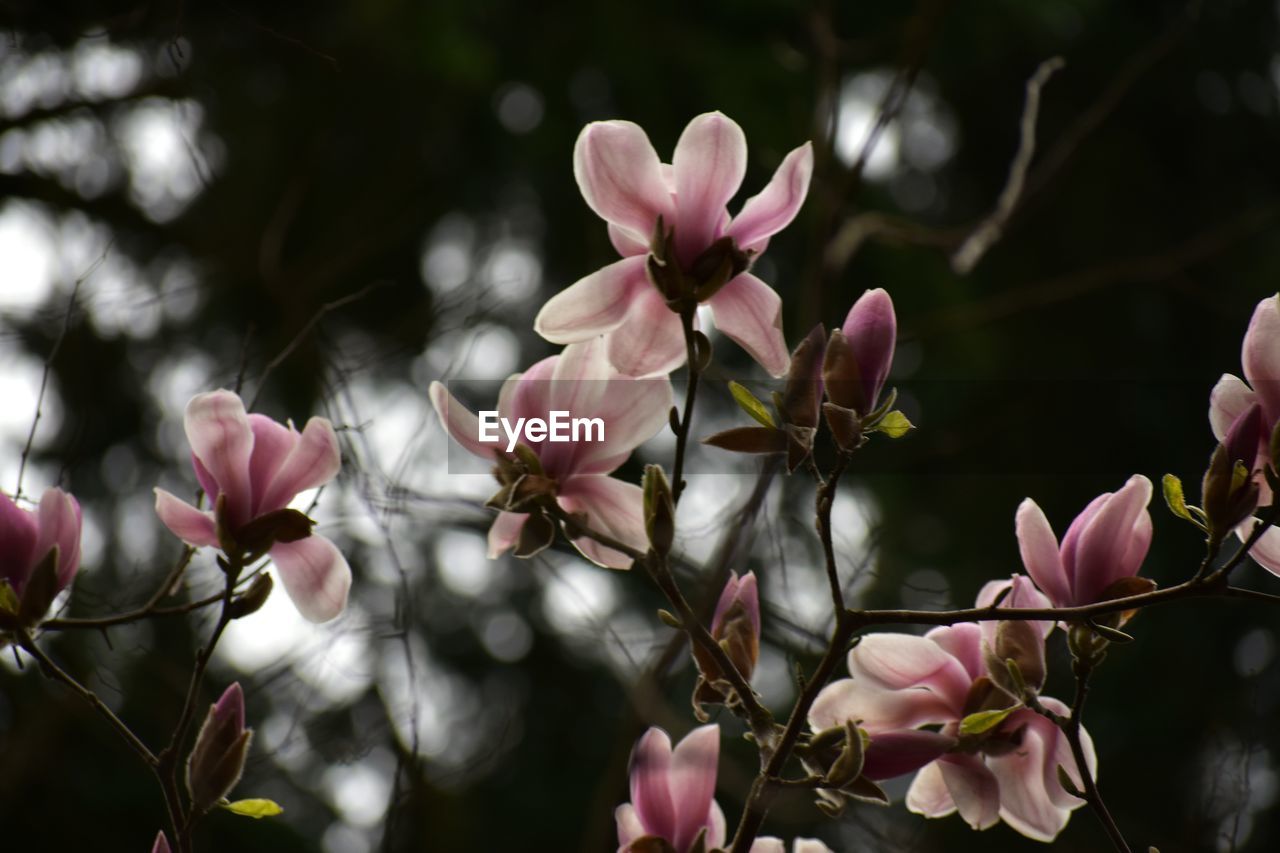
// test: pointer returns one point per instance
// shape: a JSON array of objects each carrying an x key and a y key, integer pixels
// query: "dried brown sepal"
[
  {"x": 41, "y": 589},
  {"x": 749, "y": 440}
]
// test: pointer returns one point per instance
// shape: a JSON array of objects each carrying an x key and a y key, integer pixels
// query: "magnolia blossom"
[
  {"x": 1232, "y": 397},
  {"x": 861, "y": 352},
  {"x": 902, "y": 682},
  {"x": 672, "y": 791},
  {"x": 161, "y": 844},
  {"x": 220, "y": 750},
  {"x": 253, "y": 467},
  {"x": 735, "y": 625},
  {"x": 1105, "y": 544},
  {"x": 581, "y": 381},
  {"x": 673, "y": 796},
  {"x": 27, "y": 537},
  {"x": 623, "y": 181}
]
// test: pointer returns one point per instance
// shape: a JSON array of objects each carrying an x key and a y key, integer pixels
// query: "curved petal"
[
  {"x": 750, "y": 312},
  {"x": 185, "y": 521},
  {"x": 272, "y": 443},
  {"x": 929, "y": 795},
  {"x": 1058, "y": 752},
  {"x": 902, "y": 662},
  {"x": 618, "y": 173},
  {"x": 768, "y": 844},
  {"x": 629, "y": 826},
  {"x": 768, "y": 212},
  {"x": 1260, "y": 355},
  {"x": 963, "y": 641},
  {"x": 221, "y": 438},
  {"x": 1040, "y": 555},
  {"x": 650, "y": 341},
  {"x": 612, "y": 507},
  {"x": 633, "y": 411},
  {"x": 461, "y": 424},
  {"x": 18, "y": 533},
  {"x": 809, "y": 845},
  {"x": 973, "y": 789},
  {"x": 505, "y": 532},
  {"x": 1266, "y": 551},
  {"x": 1228, "y": 400},
  {"x": 716, "y": 827},
  {"x": 593, "y": 305},
  {"x": 626, "y": 243},
  {"x": 1104, "y": 542},
  {"x": 891, "y": 754},
  {"x": 650, "y": 774},
  {"x": 1022, "y": 594},
  {"x": 1025, "y": 800},
  {"x": 709, "y": 163},
  {"x": 314, "y": 460},
  {"x": 58, "y": 523},
  {"x": 694, "y": 763},
  {"x": 315, "y": 575}
]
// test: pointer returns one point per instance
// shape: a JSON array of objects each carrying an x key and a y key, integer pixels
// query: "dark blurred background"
[{"x": 332, "y": 204}]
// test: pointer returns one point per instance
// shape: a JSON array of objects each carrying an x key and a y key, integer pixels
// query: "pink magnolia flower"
[
  {"x": 1232, "y": 397},
  {"x": 1106, "y": 543},
  {"x": 161, "y": 845},
  {"x": 737, "y": 617},
  {"x": 623, "y": 181},
  {"x": 256, "y": 466},
  {"x": 220, "y": 750},
  {"x": 579, "y": 380},
  {"x": 861, "y": 352},
  {"x": 901, "y": 682},
  {"x": 27, "y": 537},
  {"x": 672, "y": 791}
]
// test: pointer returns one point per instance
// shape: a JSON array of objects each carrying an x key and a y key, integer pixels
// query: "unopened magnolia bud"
[
  {"x": 860, "y": 353},
  {"x": 161, "y": 844},
  {"x": 253, "y": 598},
  {"x": 1016, "y": 663},
  {"x": 659, "y": 510},
  {"x": 218, "y": 757},
  {"x": 1229, "y": 492}
]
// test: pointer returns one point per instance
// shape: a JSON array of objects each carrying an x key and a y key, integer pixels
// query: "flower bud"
[
  {"x": 1229, "y": 492},
  {"x": 860, "y": 353},
  {"x": 659, "y": 510},
  {"x": 736, "y": 628},
  {"x": 161, "y": 844},
  {"x": 217, "y": 759},
  {"x": 1015, "y": 661}
]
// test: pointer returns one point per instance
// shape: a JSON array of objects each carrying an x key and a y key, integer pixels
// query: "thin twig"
[{"x": 990, "y": 229}]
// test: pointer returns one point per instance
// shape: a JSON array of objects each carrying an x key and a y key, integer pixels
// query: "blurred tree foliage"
[{"x": 357, "y": 195}]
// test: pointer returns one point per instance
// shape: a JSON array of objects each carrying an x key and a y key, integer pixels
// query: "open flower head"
[
  {"x": 581, "y": 381},
  {"x": 672, "y": 221},
  {"x": 251, "y": 467}
]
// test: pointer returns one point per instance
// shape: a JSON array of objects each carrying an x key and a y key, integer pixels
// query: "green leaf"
[
  {"x": 984, "y": 721},
  {"x": 256, "y": 809},
  {"x": 751, "y": 405},
  {"x": 1174, "y": 498},
  {"x": 894, "y": 424}
]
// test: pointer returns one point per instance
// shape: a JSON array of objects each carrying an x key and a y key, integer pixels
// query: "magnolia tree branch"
[{"x": 681, "y": 427}]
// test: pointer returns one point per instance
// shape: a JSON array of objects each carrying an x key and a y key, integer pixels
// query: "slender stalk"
[
  {"x": 1070, "y": 726},
  {"x": 691, "y": 391},
  {"x": 51, "y": 669},
  {"x": 169, "y": 763},
  {"x": 145, "y": 612},
  {"x": 824, "y": 501}
]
